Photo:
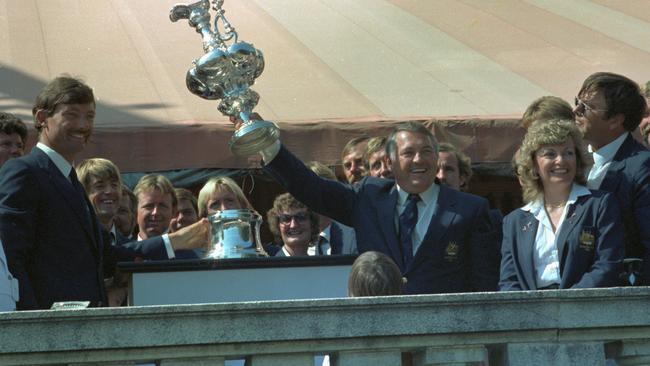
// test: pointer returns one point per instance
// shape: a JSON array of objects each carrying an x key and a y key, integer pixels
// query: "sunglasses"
[
  {"x": 582, "y": 107},
  {"x": 299, "y": 217}
]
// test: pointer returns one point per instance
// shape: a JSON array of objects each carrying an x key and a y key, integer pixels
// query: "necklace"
[{"x": 557, "y": 205}]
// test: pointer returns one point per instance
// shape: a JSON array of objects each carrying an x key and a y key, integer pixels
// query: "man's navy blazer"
[
  {"x": 458, "y": 253},
  {"x": 590, "y": 245},
  {"x": 52, "y": 248},
  {"x": 628, "y": 178}
]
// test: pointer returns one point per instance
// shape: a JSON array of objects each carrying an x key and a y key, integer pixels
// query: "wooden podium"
[{"x": 231, "y": 280}]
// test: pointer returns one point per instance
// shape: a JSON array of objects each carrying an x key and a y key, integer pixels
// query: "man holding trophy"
[{"x": 440, "y": 238}]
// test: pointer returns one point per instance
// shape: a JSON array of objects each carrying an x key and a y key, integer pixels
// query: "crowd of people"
[{"x": 585, "y": 183}]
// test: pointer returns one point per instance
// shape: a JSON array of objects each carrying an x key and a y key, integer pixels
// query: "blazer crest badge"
[
  {"x": 588, "y": 239},
  {"x": 451, "y": 252}
]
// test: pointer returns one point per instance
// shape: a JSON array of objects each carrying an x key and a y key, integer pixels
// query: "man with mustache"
[{"x": 50, "y": 232}]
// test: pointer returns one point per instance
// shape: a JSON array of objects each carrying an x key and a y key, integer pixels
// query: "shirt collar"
[
  {"x": 427, "y": 196},
  {"x": 606, "y": 153},
  {"x": 537, "y": 206},
  {"x": 326, "y": 233},
  {"x": 59, "y": 161}
]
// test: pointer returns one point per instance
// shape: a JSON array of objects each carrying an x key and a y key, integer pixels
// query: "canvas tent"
[{"x": 334, "y": 69}]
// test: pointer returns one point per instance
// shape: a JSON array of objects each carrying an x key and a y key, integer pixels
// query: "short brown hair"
[
  {"x": 545, "y": 109},
  {"x": 186, "y": 194},
  {"x": 350, "y": 145},
  {"x": 622, "y": 95},
  {"x": 62, "y": 90},
  {"x": 126, "y": 192},
  {"x": 10, "y": 124},
  {"x": 374, "y": 145},
  {"x": 464, "y": 162},
  {"x": 374, "y": 274},
  {"x": 286, "y": 202},
  {"x": 152, "y": 182}
]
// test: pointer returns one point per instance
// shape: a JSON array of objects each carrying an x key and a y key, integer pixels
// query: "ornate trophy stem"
[{"x": 226, "y": 72}]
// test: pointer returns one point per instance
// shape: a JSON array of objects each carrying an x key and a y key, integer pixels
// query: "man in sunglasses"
[{"x": 608, "y": 108}]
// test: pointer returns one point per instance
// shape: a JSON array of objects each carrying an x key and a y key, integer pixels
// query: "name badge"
[
  {"x": 588, "y": 239},
  {"x": 451, "y": 252}
]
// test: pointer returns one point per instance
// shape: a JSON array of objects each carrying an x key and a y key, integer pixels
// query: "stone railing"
[{"x": 571, "y": 327}]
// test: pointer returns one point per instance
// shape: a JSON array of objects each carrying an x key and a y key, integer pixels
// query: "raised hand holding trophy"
[{"x": 226, "y": 71}]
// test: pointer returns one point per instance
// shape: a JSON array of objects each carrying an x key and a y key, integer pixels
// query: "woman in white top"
[{"x": 566, "y": 236}]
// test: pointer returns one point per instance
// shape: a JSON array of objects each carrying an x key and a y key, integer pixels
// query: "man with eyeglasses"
[{"x": 608, "y": 108}]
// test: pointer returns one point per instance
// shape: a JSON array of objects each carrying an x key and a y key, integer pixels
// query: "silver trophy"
[
  {"x": 235, "y": 234},
  {"x": 226, "y": 71}
]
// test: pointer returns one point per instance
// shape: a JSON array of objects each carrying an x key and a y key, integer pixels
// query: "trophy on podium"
[{"x": 226, "y": 71}]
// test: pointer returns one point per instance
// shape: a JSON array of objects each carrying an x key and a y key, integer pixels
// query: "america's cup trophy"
[{"x": 226, "y": 71}]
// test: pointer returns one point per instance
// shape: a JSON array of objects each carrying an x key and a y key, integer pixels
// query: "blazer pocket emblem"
[
  {"x": 588, "y": 239},
  {"x": 451, "y": 252}
]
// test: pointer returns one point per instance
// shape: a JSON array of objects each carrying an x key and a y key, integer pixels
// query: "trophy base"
[{"x": 253, "y": 137}]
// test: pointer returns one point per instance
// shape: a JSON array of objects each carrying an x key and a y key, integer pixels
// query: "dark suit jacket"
[
  {"x": 590, "y": 245},
  {"x": 342, "y": 239},
  {"x": 53, "y": 249},
  {"x": 458, "y": 252},
  {"x": 628, "y": 178}
]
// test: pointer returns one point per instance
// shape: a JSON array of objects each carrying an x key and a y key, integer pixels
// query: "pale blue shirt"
[
  {"x": 546, "y": 258},
  {"x": 8, "y": 285},
  {"x": 65, "y": 167},
  {"x": 602, "y": 159},
  {"x": 426, "y": 209}
]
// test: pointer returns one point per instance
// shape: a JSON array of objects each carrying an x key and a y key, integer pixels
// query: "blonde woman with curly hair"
[{"x": 566, "y": 236}]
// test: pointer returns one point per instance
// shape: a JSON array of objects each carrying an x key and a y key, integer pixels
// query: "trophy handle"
[{"x": 182, "y": 11}]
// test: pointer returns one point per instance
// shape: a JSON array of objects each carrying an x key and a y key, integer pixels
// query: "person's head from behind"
[
  {"x": 352, "y": 159},
  {"x": 103, "y": 183},
  {"x": 64, "y": 115},
  {"x": 608, "y": 105},
  {"x": 413, "y": 155},
  {"x": 374, "y": 274},
  {"x": 375, "y": 158},
  {"x": 186, "y": 209},
  {"x": 125, "y": 218},
  {"x": 219, "y": 194},
  {"x": 551, "y": 155},
  {"x": 293, "y": 224},
  {"x": 547, "y": 108},
  {"x": 454, "y": 167},
  {"x": 13, "y": 134},
  {"x": 156, "y": 205}
]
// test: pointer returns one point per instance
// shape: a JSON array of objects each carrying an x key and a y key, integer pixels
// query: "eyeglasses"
[
  {"x": 582, "y": 107},
  {"x": 299, "y": 217}
]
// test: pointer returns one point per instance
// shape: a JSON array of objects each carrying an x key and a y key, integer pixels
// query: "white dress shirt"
[
  {"x": 65, "y": 167},
  {"x": 59, "y": 161},
  {"x": 546, "y": 258},
  {"x": 602, "y": 159},
  {"x": 8, "y": 285},
  {"x": 426, "y": 209},
  {"x": 167, "y": 242},
  {"x": 322, "y": 246}
]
